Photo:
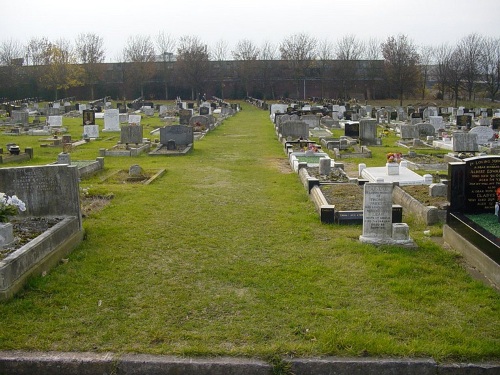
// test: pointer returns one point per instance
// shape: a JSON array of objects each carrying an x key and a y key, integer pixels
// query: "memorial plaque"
[
  {"x": 464, "y": 120},
  {"x": 88, "y": 117}
]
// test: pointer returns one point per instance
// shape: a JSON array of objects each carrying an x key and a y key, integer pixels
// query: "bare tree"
[
  {"x": 11, "y": 59},
  {"x": 140, "y": 53},
  {"x": 246, "y": 53},
  {"x": 267, "y": 67},
  {"x": 471, "y": 50},
  {"x": 299, "y": 50},
  {"x": 348, "y": 51},
  {"x": 90, "y": 53},
  {"x": 491, "y": 66},
  {"x": 455, "y": 72},
  {"x": 325, "y": 56},
  {"x": 219, "y": 54},
  {"x": 442, "y": 57},
  {"x": 401, "y": 63},
  {"x": 426, "y": 58},
  {"x": 372, "y": 56},
  {"x": 61, "y": 71},
  {"x": 166, "y": 43},
  {"x": 192, "y": 61}
]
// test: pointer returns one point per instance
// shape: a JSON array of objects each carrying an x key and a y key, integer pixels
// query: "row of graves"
[
  {"x": 57, "y": 198},
  {"x": 472, "y": 185}
]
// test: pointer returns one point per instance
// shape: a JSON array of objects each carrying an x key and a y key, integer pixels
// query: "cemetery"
[{"x": 365, "y": 202}]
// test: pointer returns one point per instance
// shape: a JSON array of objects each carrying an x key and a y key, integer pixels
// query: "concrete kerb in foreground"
[{"x": 54, "y": 363}]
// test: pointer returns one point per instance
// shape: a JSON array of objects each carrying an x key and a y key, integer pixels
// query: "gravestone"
[
  {"x": 464, "y": 120},
  {"x": 20, "y": 117},
  {"x": 351, "y": 129},
  {"x": 122, "y": 118},
  {"x": 56, "y": 187},
  {"x": 204, "y": 111},
  {"x": 437, "y": 122},
  {"x": 92, "y": 131},
  {"x": 55, "y": 121},
  {"x": 484, "y": 134},
  {"x": 495, "y": 123},
  {"x": 294, "y": 129},
  {"x": 163, "y": 110},
  {"x": 311, "y": 120},
  {"x": 81, "y": 108},
  {"x": 148, "y": 111},
  {"x": 64, "y": 158},
  {"x": 88, "y": 117},
  {"x": 111, "y": 120},
  {"x": 199, "y": 121},
  {"x": 135, "y": 170},
  {"x": 134, "y": 119},
  {"x": 465, "y": 142},
  {"x": 131, "y": 134},
  {"x": 184, "y": 116},
  {"x": 377, "y": 212},
  {"x": 181, "y": 134},
  {"x": 409, "y": 131},
  {"x": 425, "y": 130},
  {"x": 368, "y": 131},
  {"x": 472, "y": 184}
]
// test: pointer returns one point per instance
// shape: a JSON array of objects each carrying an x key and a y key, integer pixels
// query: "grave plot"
[
  {"x": 134, "y": 175},
  {"x": 131, "y": 143},
  {"x": 175, "y": 140}
]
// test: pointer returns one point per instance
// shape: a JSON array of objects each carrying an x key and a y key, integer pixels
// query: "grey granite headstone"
[
  {"x": 465, "y": 142},
  {"x": 425, "y": 130},
  {"x": 131, "y": 134},
  {"x": 409, "y": 131},
  {"x": 55, "y": 121},
  {"x": 325, "y": 166},
  {"x": 368, "y": 131},
  {"x": 50, "y": 190},
  {"x": 135, "y": 170},
  {"x": 180, "y": 134},
  {"x": 294, "y": 129},
  {"x": 199, "y": 120},
  {"x": 311, "y": 120},
  {"x": 20, "y": 117}
]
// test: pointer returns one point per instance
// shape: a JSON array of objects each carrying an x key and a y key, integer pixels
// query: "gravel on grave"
[
  {"x": 336, "y": 175},
  {"x": 27, "y": 229}
]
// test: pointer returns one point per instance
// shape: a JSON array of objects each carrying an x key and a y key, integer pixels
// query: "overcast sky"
[{"x": 425, "y": 22}]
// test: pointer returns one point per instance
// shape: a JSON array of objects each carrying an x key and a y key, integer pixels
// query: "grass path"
[{"x": 225, "y": 255}]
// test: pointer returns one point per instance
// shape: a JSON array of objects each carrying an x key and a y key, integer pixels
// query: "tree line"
[{"x": 163, "y": 66}]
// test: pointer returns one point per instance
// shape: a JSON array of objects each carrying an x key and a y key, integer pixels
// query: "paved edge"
[{"x": 67, "y": 363}]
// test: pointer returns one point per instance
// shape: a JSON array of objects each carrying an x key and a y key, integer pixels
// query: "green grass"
[{"x": 225, "y": 255}]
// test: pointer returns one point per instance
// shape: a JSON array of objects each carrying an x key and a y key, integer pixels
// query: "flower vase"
[
  {"x": 6, "y": 234},
  {"x": 392, "y": 169}
]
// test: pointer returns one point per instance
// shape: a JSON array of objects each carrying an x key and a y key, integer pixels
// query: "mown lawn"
[{"x": 225, "y": 255}]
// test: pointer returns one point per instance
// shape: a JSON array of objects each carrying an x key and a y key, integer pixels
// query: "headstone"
[
  {"x": 64, "y": 158},
  {"x": 409, "y": 131},
  {"x": 135, "y": 170},
  {"x": 325, "y": 165},
  {"x": 122, "y": 118},
  {"x": 56, "y": 187},
  {"x": 473, "y": 184},
  {"x": 495, "y": 123},
  {"x": 111, "y": 120},
  {"x": 20, "y": 117},
  {"x": 377, "y": 212},
  {"x": 464, "y": 120},
  {"x": 92, "y": 131},
  {"x": 184, "y": 116},
  {"x": 484, "y": 134},
  {"x": 182, "y": 135},
  {"x": 437, "y": 122},
  {"x": 294, "y": 129},
  {"x": 131, "y": 134},
  {"x": 134, "y": 119},
  {"x": 368, "y": 131},
  {"x": 351, "y": 129},
  {"x": 204, "y": 110},
  {"x": 200, "y": 120},
  {"x": 55, "y": 121},
  {"x": 465, "y": 142},
  {"x": 311, "y": 120},
  {"x": 425, "y": 129},
  {"x": 88, "y": 117},
  {"x": 149, "y": 111}
]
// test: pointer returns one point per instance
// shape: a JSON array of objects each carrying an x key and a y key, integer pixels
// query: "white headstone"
[
  {"x": 134, "y": 119},
  {"x": 111, "y": 120},
  {"x": 92, "y": 131},
  {"x": 54, "y": 121},
  {"x": 377, "y": 212},
  {"x": 484, "y": 134}
]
